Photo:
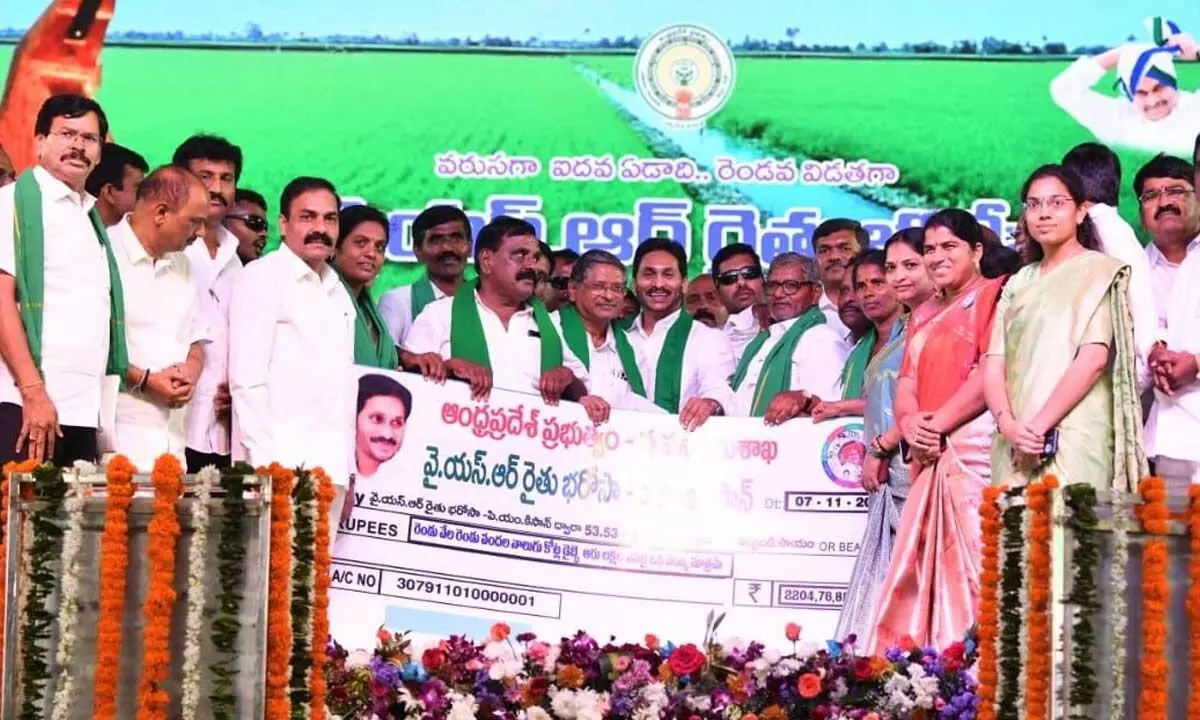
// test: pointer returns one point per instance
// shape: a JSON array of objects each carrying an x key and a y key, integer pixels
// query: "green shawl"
[
  {"x": 467, "y": 341},
  {"x": 776, "y": 375},
  {"x": 856, "y": 366},
  {"x": 422, "y": 295},
  {"x": 576, "y": 337},
  {"x": 29, "y": 244},
  {"x": 668, "y": 372},
  {"x": 373, "y": 349}
]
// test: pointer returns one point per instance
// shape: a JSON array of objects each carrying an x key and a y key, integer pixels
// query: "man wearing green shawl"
[
  {"x": 62, "y": 325},
  {"x": 799, "y": 359},
  {"x": 496, "y": 334},
  {"x": 685, "y": 365},
  {"x": 596, "y": 289},
  {"x": 357, "y": 258},
  {"x": 441, "y": 241}
]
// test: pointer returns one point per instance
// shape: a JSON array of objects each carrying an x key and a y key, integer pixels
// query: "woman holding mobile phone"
[{"x": 1061, "y": 321}]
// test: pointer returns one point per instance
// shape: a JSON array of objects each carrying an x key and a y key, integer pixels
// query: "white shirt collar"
[
  {"x": 826, "y": 303},
  {"x": 300, "y": 270},
  {"x": 54, "y": 190},
  {"x": 667, "y": 322},
  {"x": 743, "y": 321},
  {"x": 1157, "y": 258}
]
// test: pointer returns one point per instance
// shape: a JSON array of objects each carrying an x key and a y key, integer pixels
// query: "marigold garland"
[
  {"x": 989, "y": 613},
  {"x": 279, "y": 627},
  {"x": 1011, "y": 580},
  {"x": 45, "y": 547},
  {"x": 114, "y": 562},
  {"x": 163, "y": 533},
  {"x": 1193, "y": 601},
  {"x": 231, "y": 567},
  {"x": 1084, "y": 597},
  {"x": 1154, "y": 517},
  {"x": 12, "y": 468},
  {"x": 320, "y": 622},
  {"x": 304, "y": 497},
  {"x": 1038, "y": 652}
]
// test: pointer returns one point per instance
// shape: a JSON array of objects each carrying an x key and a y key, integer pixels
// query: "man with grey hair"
[
  {"x": 788, "y": 368},
  {"x": 586, "y": 324}
]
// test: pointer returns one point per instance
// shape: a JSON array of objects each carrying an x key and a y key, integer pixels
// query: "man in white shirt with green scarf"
[
  {"x": 441, "y": 239},
  {"x": 61, "y": 308}
]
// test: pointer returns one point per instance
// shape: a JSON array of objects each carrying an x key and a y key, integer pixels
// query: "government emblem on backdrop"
[
  {"x": 685, "y": 73},
  {"x": 843, "y": 455}
]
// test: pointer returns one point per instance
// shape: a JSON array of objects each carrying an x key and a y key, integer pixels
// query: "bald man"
[{"x": 165, "y": 330}]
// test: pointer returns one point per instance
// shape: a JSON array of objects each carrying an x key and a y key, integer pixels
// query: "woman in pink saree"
[{"x": 932, "y": 586}]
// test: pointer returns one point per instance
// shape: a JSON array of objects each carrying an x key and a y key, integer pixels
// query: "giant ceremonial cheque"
[{"x": 579, "y": 360}]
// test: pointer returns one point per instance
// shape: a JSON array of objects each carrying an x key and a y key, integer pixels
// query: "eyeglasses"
[
  {"x": 730, "y": 277},
  {"x": 1175, "y": 192},
  {"x": 600, "y": 288},
  {"x": 560, "y": 282},
  {"x": 789, "y": 287},
  {"x": 69, "y": 136},
  {"x": 256, "y": 223},
  {"x": 1054, "y": 202}
]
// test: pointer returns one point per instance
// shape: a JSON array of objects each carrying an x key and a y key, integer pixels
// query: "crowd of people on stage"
[{"x": 139, "y": 315}]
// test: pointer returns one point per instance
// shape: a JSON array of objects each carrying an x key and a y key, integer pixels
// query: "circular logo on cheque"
[
  {"x": 684, "y": 72},
  {"x": 843, "y": 455}
]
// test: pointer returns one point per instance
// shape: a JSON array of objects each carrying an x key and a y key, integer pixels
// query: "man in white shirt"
[
  {"x": 685, "y": 365},
  {"x": 738, "y": 275},
  {"x": 1151, "y": 114},
  {"x": 597, "y": 292},
  {"x": 562, "y": 265},
  {"x": 802, "y": 353},
  {"x": 441, "y": 239},
  {"x": 215, "y": 267},
  {"x": 495, "y": 334},
  {"x": 701, "y": 301},
  {"x": 291, "y": 344},
  {"x": 56, "y": 342},
  {"x": 1100, "y": 170},
  {"x": 165, "y": 329},
  {"x": 836, "y": 243},
  {"x": 114, "y": 182},
  {"x": 1171, "y": 217}
]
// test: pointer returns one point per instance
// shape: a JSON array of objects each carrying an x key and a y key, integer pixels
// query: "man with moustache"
[
  {"x": 562, "y": 263},
  {"x": 441, "y": 240},
  {"x": 542, "y": 288},
  {"x": 384, "y": 406},
  {"x": 166, "y": 330},
  {"x": 247, "y": 220},
  {"x": 215, "y": 267},
  {"x": 837, "y": 242},
  {"x": 851, "y": 313},
  {"x": 789, "y": 368},
  {"x": 1170, "y": 215},
  {"x": 737, "y": 272},
  {"x": 685, "y": 365},
  {"x": 701, "y": 301},
  {"x": 62, "y": 326},
  {"x": 586, "y": 323},
  {"x": 291, "y": 343},
  {"x": 495, "y": 333},
  {"x": 114, "y": 182}
]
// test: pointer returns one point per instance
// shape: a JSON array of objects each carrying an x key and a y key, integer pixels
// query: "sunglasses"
[
  {"x": 256, "y": 223},
  {"x": 560, "y": 282},
  {"x": 749, "y": 272}
]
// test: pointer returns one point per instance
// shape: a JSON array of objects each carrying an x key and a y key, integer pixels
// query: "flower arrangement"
[
  {"x": 320, "y": 611},
  {"x": 989, "y": 611},
  {"x": 231, "y": 565},
  {"x": 68, "y": 599},
  {"x": 524, "y": 678},
  {"x": 279, "y": 616},
  {"x": 163, "y": 533},
  {"x": 1154, "y": 517},
  {"x": 1084, "y": 597},
  {"x": 41, "y": 548},
  {"x": 11, "y": 468},
  {"x": 114, "y": 562},
  {"x": 1038, "y": 653},
  {"x": 197, "y": 574}
]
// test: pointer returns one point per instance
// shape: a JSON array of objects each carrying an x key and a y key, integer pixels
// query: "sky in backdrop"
[{"x": 1074, "y": 22}]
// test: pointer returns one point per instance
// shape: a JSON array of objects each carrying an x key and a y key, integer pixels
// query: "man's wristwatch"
[{"x": 718, "y": 408}]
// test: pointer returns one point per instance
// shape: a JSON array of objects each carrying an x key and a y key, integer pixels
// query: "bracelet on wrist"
[{"x": 141, "y": 384}]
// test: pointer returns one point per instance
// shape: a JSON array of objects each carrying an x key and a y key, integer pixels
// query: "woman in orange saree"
[{"x": 932, "y": 586}]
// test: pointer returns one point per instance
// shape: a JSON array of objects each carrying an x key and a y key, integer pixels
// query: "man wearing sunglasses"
[
  {"x": 215, "y": 268},
  {"x": 788, "y": 369},
  {"x": 562, "y": 264},
  {"x": 738, "y": 274},
  {"x": 248, "y": 222}
]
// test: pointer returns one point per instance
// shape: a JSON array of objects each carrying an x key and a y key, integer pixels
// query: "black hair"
[
  {"x": 68, "y": 106},
  {"x": 1163, "y": 166},
  {"x": 1100, "y": 170},
  {"x": 834, "y": 225},
  {"x": 209, "y": 147},
  {"x": 591, "y": 259},
  {"x": 999, "y": 260},
  {"x": 545, "y": 251},
  {"x": 110, "y": 170},
  {"x": 351, "y": 217},
  {"x": 658, "y": 244},
  {"x": 436, "y": 215},
  {"x": 567, "y": 256},
  {"x": 1086, "y": 232},
  {"x": 373, "y": 385},
  {"x": 877, "y": 258},
  {"x": 960, "y": 223},
  {"x": 492, "y": 235},
  {"x": 247, "y": 195},
  {"x": 914, "y": 237},
  {"x": 731, "y": 251},
  {"x": 301, "y": 185}
]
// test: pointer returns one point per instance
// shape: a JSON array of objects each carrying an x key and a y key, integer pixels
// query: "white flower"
[
  {"x": 358, "y": 658},
  {"x": 68, "y": 614},
  {"x": 536, "y": 713},
  {"x": 734, "y": 644},
  {"x": 700, "y": 702},
  {"x": 462, "y": 707},
  {"x": 840, "y": 689},
  {"x": 196, "y": 583},
  {"x": 771, "y": 656},
  {"x": 551, "y": 657}
]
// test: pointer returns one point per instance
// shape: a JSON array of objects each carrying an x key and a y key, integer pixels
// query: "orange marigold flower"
[
  {"x": 570, "y": 677},
  {"x": 774, "y": 712}
]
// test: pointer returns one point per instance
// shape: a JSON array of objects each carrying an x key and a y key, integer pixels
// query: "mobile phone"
[{"x": 1050, "y": 445}]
